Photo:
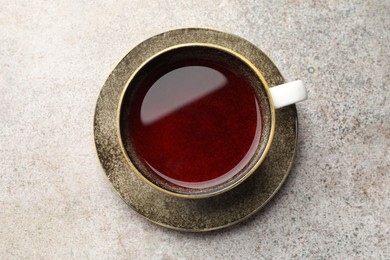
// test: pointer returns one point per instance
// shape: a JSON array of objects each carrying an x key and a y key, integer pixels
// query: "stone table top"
[{"x": 54, "y": 201}]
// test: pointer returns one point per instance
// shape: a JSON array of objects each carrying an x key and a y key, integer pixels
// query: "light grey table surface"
[{"x": 54, "y": 201}]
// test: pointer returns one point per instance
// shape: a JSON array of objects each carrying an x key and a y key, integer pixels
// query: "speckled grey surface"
[{"x": 54, "y": 58}]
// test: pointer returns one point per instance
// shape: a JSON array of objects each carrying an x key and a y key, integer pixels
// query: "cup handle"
[{"x": 288, "y": 93}]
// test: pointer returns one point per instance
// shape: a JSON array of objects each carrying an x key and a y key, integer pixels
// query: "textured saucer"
[{"x": 193, "y": 214}]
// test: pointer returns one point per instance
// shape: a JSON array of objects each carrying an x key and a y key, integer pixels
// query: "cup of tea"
[{"x": 197, "y": 119}]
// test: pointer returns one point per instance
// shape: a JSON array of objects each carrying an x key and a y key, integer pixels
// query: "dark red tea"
[{"x": 195, "y": 124}]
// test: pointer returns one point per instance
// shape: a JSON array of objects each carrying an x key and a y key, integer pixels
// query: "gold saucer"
[{"x": 193, "y": 214}]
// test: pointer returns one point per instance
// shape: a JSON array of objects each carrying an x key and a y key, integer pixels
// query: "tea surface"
[{"x": 195, "y": 124}]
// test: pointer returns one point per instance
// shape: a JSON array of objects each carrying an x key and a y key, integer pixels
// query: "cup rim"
[{"x": 250, "y": 171}]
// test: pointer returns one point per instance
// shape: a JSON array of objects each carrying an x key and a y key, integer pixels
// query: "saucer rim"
[{"x": 263, "y": 204}]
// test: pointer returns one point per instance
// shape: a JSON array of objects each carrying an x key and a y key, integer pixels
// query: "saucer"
[{"x": 193, "y": 214}]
